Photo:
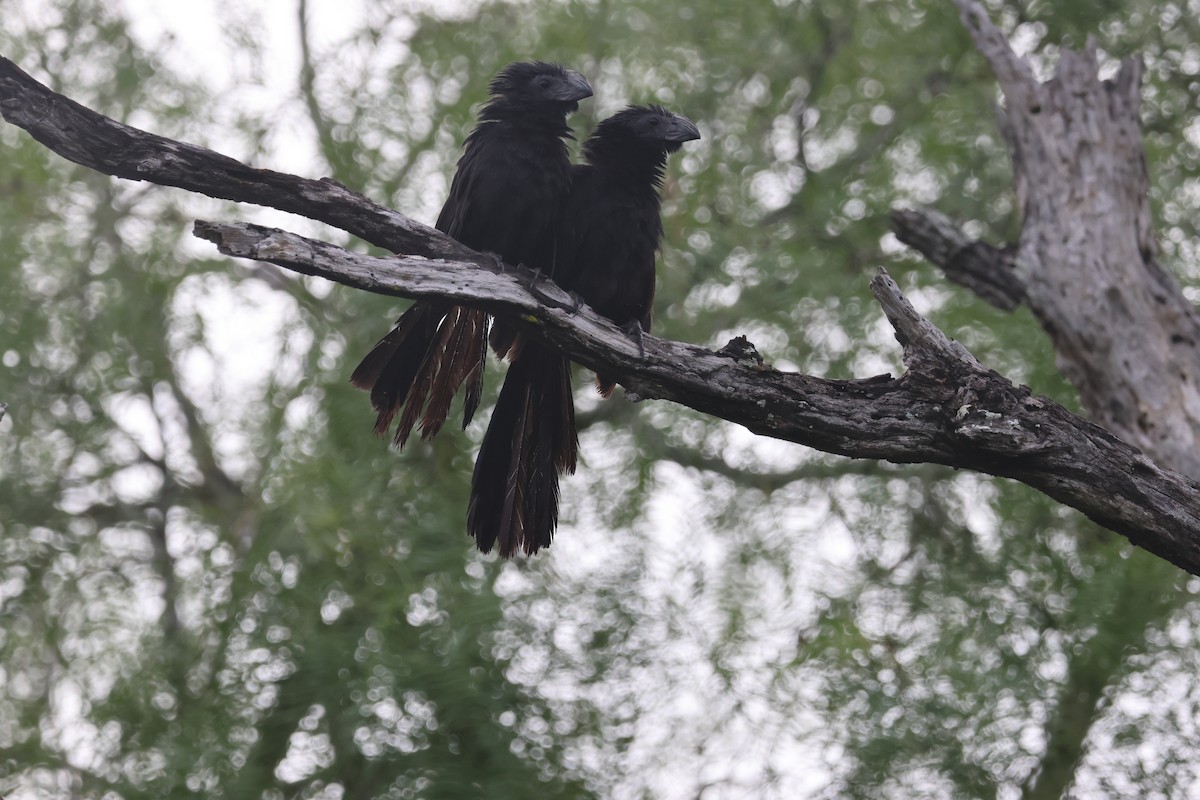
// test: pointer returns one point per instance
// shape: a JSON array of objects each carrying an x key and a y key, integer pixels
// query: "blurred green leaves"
[{"x": 214, "y": 581}]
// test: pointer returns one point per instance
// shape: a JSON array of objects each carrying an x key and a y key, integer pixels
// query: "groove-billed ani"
[
  {"x": 605, "y": 249},
  {"x": 505, "y": 199}
]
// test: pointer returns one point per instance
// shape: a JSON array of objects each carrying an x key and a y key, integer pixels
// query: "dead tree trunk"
[{"x": 1123, "y": 333}]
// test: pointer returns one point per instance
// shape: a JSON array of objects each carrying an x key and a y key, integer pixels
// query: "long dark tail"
[
  {"x": 415, "y": 370},
  {"x": 530, "y": 441}
]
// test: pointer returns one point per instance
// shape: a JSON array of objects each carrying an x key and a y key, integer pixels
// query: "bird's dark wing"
[{"x": 606, "y": 249}]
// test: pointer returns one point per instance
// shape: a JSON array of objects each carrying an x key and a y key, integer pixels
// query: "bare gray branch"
[{"x": 948, "y": 409}]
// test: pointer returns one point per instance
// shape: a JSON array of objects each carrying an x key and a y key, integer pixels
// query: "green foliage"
[{"x": 215, "y": 582}]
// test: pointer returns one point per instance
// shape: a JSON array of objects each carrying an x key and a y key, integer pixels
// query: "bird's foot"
[
  {"x": 535, "y": 280},
  {"x": 501, "y": 267},
  {"x": 532, "y": 277},
  {"x": 634, "y": 331}
]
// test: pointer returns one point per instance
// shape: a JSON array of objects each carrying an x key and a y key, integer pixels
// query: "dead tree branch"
[
  {"x": 986, "y": 270},
  {"x": 948, "y": 409},
  {"x": 105, "y": 145}
]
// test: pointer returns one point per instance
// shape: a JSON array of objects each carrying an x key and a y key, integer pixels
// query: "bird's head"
[
  {"x": 651, "y": 126},
  {"x": 538, "y": 84}
]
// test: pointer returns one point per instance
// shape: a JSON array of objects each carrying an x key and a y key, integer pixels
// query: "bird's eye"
[
  {"x": 543, "y": 83},
  {"x": 654, "y": 122}
]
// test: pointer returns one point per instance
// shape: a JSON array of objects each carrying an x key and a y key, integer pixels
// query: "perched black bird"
[
  {"x": 611, "y": 228},
  {"x": 605, "y": 247},
  {"x": 505, "y": 199}
]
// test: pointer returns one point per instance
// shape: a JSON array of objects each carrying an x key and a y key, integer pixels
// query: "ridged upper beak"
[
  {"x": 680, "y": 129},
  {"x": 573, "y": 89}
]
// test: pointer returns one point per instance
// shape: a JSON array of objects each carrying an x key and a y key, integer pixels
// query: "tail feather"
[
  {"x": 460, "y": 362},
  {"x": 368, "y": 372},
  {"x": 415, "y": 370},
  {"x": 556, "y": 446},
  {"x": 448, "y": 361},
  {"x": 530, "y": 440},
  {"x": 499, "y": 482},
  {"x": 473, "y": 378},
  {"x": 504, "y": 341},
  {"x": 566, "y": 437},
  {"x": 389, "y": 370},
  {"x": 517, "y": 487},
  {"x": 427, "y": 375}
]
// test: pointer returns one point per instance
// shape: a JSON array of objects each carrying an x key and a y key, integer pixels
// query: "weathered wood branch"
[
  {"x": 986, "y": 270},
  {"x": 105, "y": 145},
  {"x": 947, "y": 409}
]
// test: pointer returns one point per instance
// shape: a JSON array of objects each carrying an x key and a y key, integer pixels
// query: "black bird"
[
  {"x": 505, "y": 199},
  {"x": 611, "y": 228},
  {"x": 605, "y": 247}
]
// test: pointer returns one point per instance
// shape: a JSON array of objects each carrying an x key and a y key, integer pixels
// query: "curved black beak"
[
  {"x": 680, "y": 129},
  {"x": 572, "y": 88}
]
